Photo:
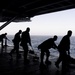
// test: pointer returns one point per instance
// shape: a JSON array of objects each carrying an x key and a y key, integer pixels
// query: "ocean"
[{"x": 36, "y": 40}]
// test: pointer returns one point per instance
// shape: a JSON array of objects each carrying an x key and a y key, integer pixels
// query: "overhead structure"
[{"x": 23, "y": 10}]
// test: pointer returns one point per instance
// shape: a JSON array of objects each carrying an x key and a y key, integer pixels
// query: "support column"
[{"x": 5, "y": 24}]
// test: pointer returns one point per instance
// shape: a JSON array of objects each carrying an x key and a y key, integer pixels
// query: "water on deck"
[{"x": 15, "y": 67}]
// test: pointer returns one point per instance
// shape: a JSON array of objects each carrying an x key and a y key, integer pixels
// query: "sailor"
[{"x": 45, "y": 46}]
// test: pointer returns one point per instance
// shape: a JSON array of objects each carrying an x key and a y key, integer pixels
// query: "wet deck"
[{"x": 15, "y": 67}]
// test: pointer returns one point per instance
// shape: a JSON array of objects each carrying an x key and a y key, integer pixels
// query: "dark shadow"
[
  {"x": 57, "y": 72},
  {"x": 44, "y": 70}
]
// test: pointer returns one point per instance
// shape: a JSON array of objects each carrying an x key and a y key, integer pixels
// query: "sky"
[{"x": 55, "y": 23}]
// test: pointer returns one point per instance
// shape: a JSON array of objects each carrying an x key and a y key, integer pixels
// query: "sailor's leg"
[
  {"x": 47, "y": 57},
  {"x": 42, "y": 56}
]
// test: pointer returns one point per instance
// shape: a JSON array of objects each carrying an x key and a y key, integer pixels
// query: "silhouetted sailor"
[
  {"x": 45, "y": 46},
  {"x": 64, "y": 49},
  {"x": 16, "y": 42},
  {"x": 2, "y": 37},
  {"x": 25, "y": 40}
]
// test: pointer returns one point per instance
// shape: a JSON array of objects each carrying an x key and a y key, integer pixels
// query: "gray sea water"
[{"x": 36, "y": 40}]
